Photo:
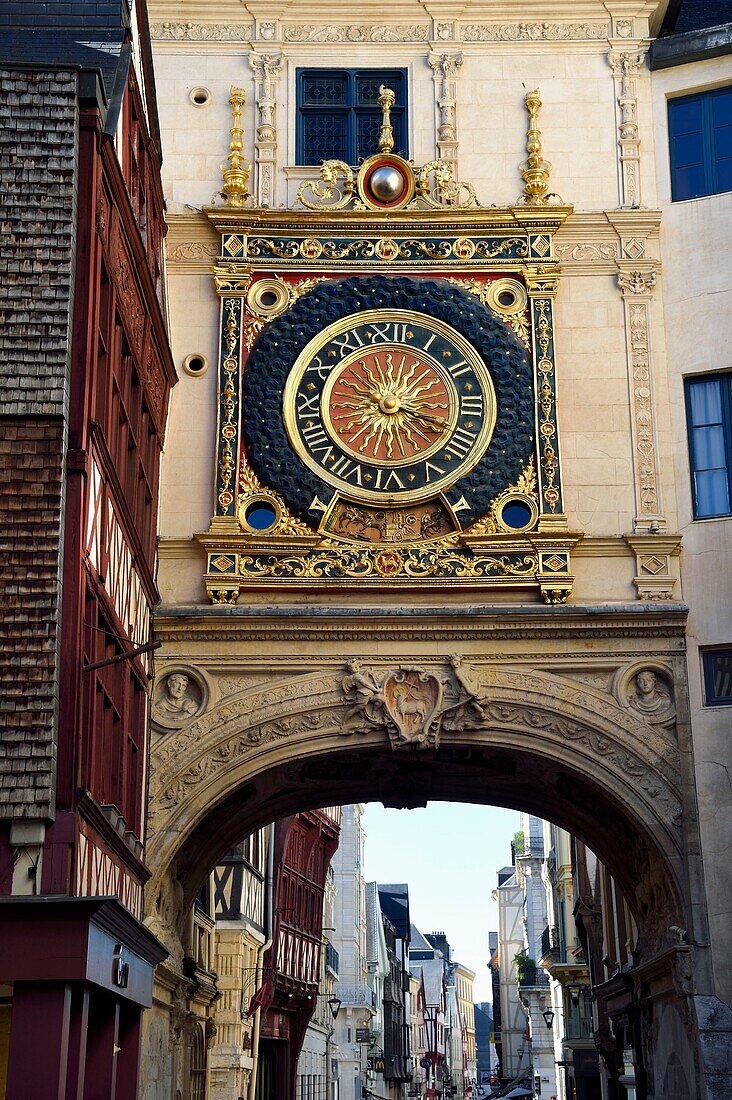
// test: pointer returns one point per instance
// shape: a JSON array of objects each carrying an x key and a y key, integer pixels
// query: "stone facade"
[{"x": 553, "y": 720}]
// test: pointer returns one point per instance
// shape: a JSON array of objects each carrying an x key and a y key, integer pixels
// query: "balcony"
[
  {"x": 579, "y": 1028},
  {"x": 332, "y": 959},
  {"x": 551, "y": 948},
  {"x": 355, "y": 995},
  {"x": 528, "y": 974},
  {"x": 533, "y": 979}
]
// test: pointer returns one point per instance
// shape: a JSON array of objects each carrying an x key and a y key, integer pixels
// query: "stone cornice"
[
  {"x": 594, "y": 243},
  {"x": 603, "y": 623},
  {"x": 191, "y": 244}
]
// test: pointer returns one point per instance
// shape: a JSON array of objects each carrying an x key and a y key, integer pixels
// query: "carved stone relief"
[
  {"x": 647, "y": 689},
  {"x": 628, "y": 738},
  {"x": 444, "y": 71},
  {"x": 178, "y": 697},
  {"x": 636, "y": 287},
  {"x": 266, "y": 68},
  {"x": 166, "y": 914},
  {"x": 626, "y": 67},
  {"x": 355, "y": 32},
  {"x": 444, "y": 31}
]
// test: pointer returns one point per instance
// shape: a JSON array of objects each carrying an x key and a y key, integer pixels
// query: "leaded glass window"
[{"x": 338, "y": 116}]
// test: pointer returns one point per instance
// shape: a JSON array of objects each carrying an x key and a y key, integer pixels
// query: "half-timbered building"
[
  {"x": 303, "y": 847},
  {"x": 85, "y": 378}
]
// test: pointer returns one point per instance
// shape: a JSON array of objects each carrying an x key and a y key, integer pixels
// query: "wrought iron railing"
[{"x": 549, "y": 941}]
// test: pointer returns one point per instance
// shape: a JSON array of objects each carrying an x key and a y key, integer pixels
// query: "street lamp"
[
  {"x": 548, "y": 1017},
  {"x": 574, "y": 989},
  {"x": 334, "y": 1004}
]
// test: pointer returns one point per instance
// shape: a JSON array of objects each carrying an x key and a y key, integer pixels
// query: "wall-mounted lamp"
[
  {"x": 575, "y": 989},
  {"x": 548, "y": 1017},
  {"x": 334, "y": 1004}
]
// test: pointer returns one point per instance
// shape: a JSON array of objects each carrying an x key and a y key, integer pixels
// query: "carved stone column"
[
  {"x": 266, "y": 68},
  {"x": 637, "y": 287},
  {"x": 444, "y": 73},
  {"x": 626, "y": 67}
]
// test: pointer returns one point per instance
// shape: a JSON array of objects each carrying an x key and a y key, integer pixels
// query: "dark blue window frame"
[
  {"x": 700, "y": 144},
  {"x": 338, "y": 117},
  {"x": 717, "y": 680},
  {"x": 709, "y": 422}
]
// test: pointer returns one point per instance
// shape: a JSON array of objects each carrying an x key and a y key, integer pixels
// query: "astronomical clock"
[{"x": 387, "y": 388}]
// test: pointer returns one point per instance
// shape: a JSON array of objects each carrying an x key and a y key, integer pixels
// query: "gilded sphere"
[{"x": 386, "y": 183}]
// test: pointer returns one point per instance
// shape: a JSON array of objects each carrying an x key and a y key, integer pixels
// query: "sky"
[{"x": 449, "y": 854}]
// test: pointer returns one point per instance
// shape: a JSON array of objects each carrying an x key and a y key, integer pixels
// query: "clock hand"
[{"x": 426, "y": 416}]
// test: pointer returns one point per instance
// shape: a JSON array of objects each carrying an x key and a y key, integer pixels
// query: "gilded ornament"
[
  {"x": 336, "y": 191},
  {"x": 235, "y": 188},
  {"x": 535, "y": 172},
  {"x": 516, "y": 316},
  {"x": 436, "y": 187},
  {"x": 386, "y": 100},
  {"x": 524, "y": 486}
]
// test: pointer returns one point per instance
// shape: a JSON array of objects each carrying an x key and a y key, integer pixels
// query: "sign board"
[
  {"x": 376, "y": 1062},
  {"x": 362, "y": 1035}
]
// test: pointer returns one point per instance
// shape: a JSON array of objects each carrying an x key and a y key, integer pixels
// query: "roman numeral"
[
  {"x": 317, "y": 440},
  {"x": 456, "y": 369},
  {"x": 471, "y": 406},
  {"x": 430, "y": 471},
  {"x": 348, "y": 341},
  {"x": 461, "y": 442},
  {"x": 349, "y": 471},
  {"x": 307, "y": 406},
  {"x": 316, "y": 367},
  {"x": 387, "y": 479}
]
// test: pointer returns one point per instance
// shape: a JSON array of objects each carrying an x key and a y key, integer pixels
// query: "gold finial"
[
  {"x": 386, "y": 100},
  {"x": 236, "y": 176},
  {"x": 535, "y": 172}
]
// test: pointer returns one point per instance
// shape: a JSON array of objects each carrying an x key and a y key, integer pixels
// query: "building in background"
[
  {"x": 317, "y": 1064},
  {"x": 418, "y": 1041},
  {"x": 427, "y": 965},
  {"x": 511, "y": 1048},
  {"x": 464, "y": 977},
  {"x": 532, "y": 981},
  {"x": 354, "y": 1021},
  {"x": 85, "y": 379},
  {"x": 243, "y": 909},
  {"x": 303, "y": 848},
  {"x": 562, "y": 957},
  {"x": 394, "y": 904},
  {"x": 484, "y": 1043}
]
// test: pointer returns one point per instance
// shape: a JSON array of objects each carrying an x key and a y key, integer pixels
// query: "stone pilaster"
[
  {"x": 444, "y": 73},
  {"x": 636, "y": 286},
  {"x": 266, "y": 68},
  {"x": 626, "y": 67}
]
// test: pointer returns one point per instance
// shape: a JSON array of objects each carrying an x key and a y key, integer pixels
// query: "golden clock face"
[{"x": 389, "y": 405}]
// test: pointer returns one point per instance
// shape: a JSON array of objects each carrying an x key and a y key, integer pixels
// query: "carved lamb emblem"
[
  {"x": 413, "y": 701},
  {"x": 413, "y": 704}
]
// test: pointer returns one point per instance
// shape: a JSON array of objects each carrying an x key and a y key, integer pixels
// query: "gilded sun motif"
[{"x": 389, "y": 405}]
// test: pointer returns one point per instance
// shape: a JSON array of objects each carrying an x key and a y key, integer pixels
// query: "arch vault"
[{"x": 526, "y": 709}]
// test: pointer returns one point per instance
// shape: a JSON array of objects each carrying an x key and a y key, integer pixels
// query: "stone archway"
[{"x": 524, "y": 714}]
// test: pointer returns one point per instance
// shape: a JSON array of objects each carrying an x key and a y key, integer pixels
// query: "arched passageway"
[{"x": 596, "y": 744}]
